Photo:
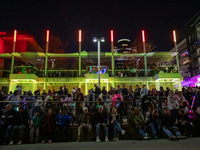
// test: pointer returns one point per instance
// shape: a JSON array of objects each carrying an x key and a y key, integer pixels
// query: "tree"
[
  {"x": 138, "y": 44},
  {"x": 56, "y": 45}
]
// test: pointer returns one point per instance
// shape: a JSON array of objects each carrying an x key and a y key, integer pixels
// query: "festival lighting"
[
  {"x": 192, "y": 103},
  {"x": 198, "y": 79},
  {"x": 174, "y": 35},
  {"x": 111, "y": 33},
  {"x": 143, "y": 36},
  {"x": 79, "y": 36},
  {"x": 15, "y": 35},
  {"x": 47, "y": 36}
]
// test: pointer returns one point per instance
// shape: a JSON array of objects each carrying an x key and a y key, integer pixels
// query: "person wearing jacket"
[
  {"x": 97, "y": 91},
  {"x": 85, "y": 122},
  {"x": 183, "y": 121},
  {"x": 168, "y": 125},
  {"x": 114, "y": 98},
  {"x": 104, "y": 93},
  {"x": 78, "y": 97},
  {"x": 173, "y": 105},
  {"x": 101, "y": 120},
  {"x": 181, "y": 99},
  {"x": 48, "y": 126},
  {"x": 143, "y": 91},
  {"x": 62, "y": 122},
  {"x": 7, "y": 122},
  {"x": 35, "y": 130},
  {"x": 29, "y": 105},
  {"x": 15, "y": 97},
  {"x": 114, "y": 121},
  {"x": 138, "y": 121},
  {"x": 21, "y": 124}
]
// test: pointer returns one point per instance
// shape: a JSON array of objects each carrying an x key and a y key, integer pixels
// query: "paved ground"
[{"x": 162, "y": 144}]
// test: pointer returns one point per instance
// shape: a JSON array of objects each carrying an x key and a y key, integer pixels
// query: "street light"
[{"x": 98, "y": 47}]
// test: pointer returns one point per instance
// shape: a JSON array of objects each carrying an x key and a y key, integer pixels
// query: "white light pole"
[{"x": 98, "y": 47}]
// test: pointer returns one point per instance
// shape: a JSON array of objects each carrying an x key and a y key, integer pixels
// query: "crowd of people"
[{"x": 46, "y": 115}]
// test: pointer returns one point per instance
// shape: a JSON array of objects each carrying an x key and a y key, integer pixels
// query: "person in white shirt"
[{"x": 143, "y": 91}]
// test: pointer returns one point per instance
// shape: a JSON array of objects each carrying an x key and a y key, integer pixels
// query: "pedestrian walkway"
[{"x": 164, "y": 144}]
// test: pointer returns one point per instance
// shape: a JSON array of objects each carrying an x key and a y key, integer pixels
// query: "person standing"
[
  {"x": 137, "y": 91},
  {"x": 144, "y": 91},
  {"x": 19, "y": 90},
  {"x": 111, "y": 91},
  {"x": 124, "y": 92},
  {"x": 173, "y": 104},
  {"x": 104, "y": 92},
  {"x": 79, "y": 98},
  {"x": 161, "y": 97},
  {"x": 65, "y": 90},
  {"x": 97, "y": 91}
]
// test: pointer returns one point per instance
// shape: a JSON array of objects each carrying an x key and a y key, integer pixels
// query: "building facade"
[{"x": 30, "y": 77}]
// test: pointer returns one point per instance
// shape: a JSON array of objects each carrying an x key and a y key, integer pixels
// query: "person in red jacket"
[{"x": 48, "y": 126}]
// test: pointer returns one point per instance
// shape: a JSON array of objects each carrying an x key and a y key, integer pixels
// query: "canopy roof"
[{"x": 159, "y": 56}]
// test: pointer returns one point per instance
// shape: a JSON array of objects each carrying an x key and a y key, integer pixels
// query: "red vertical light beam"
[
  {"x": 111, "y": 34},
  {"x": 79, "y": 36},
  {"x": 15, "y": 35},
  {"x": 174, "y": 35},
  {"x": 47, "y": 36},
  {"x": 143, "y": 36}
]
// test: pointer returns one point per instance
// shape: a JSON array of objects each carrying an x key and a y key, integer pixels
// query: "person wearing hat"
[{"x": 85, "y": 122}]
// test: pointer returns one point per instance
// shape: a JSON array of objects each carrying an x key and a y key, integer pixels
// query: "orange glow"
[
  {"x": 143, "y": 36},
  {"x": 174, "y": 34},
  {"x": 15, "y": 35},
  {"x": 47, "y": 35},
  {"x": 111, "y": 33},
  {"x": 79, "y": 36}
]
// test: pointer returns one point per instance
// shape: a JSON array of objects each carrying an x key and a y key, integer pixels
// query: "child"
[
  {"x": 114, "y": 120},
  {"x": 36, "y": 126},
  {"x": 164, "y": 104}
]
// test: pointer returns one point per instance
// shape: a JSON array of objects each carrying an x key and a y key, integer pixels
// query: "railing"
[
  {"x": 4, "y": 73},
  {"x": 74, "y": 73}
]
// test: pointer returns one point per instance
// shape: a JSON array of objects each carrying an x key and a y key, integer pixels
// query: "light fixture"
[
  {"x": 95, "y": 39},
  {"x": 102, "y": 39}
]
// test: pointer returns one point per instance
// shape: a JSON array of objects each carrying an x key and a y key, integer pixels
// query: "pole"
[
  {"x": 112, "y": 51},
  {"x": 79, "y": 60},
  {"x": 79, "y": 69},
  {"x": 177, "y": 60},
  {"x": 145, "y": 58},
  {"x": 98, "y": 47},
  {"x": 144, "y": 48},
  {"x": 46, "y": 60},
  {"x": 13, "y": 58}
]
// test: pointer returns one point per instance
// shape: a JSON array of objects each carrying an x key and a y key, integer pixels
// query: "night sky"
[{"x": 97, "y": 17}]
